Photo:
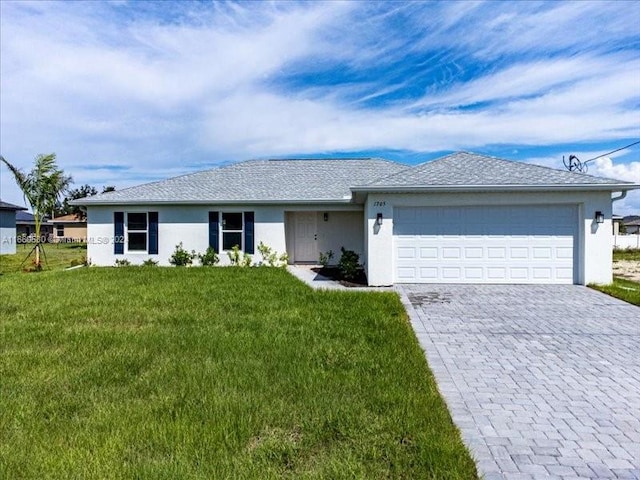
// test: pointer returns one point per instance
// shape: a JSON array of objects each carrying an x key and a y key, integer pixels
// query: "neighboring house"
[
  {"x": 463, "y": 218},
  {"x": 26, "y": 226},
  {"x": 8, "y": 238},
  {"x": 632, "y": 227},
  {"x": 69, "y": 228}
]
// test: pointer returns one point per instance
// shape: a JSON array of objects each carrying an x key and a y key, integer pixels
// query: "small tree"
[
  {"x": 65, "y": 208},
  {"x": 42, "y": 187}
]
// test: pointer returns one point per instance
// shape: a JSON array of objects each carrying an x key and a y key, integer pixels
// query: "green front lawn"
[
  {"x": 57, "y": 256},
  {"x": 623, "y": 289},
  {"x": 147, "y": 372}
]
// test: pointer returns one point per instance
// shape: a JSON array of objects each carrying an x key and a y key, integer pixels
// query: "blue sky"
[{"x": 130, "y": 92}]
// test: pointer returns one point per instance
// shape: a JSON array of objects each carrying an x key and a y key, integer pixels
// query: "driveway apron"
[{"x": 542, "y": 381}]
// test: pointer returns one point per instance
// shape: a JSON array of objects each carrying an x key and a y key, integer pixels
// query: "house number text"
[{"x": 379, "y": 204}]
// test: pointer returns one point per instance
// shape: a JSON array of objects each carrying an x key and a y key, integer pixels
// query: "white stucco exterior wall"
[
  {"x": 186, "y": 224},
  {"x": 190, "y": 225},
  {"x": 7, "y": 232},
  {"x": 594, "y": 255}
]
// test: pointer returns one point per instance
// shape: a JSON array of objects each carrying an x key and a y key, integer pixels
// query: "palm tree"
[{"x": 41, "y": 187}]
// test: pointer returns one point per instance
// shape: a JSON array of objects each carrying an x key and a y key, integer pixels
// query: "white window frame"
[
  {"x": 223, "y": 231},
  {"x": 145, "y": 231}
]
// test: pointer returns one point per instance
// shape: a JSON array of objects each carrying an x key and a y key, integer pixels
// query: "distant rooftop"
[{"x": 10, "y": 206}]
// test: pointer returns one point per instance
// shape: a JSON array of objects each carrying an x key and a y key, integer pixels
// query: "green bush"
[
  {"x": 123, "y": 263},
  {"x": 325, "y": 258},
  {"x": 209, "y": 258},
  {"x": 181, "y": 257},
  {"x": 238, "y": 258},
  {"x": 270, "y": 258},
  {"x": 349, "y": 264},
  {"x": 150, "y": 262}
]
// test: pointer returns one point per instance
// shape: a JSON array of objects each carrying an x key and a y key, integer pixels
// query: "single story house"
[
  {"x": 8, "y": 239},
  {"x": 462, "y": 218},
  {"x": 69, "y": 228},
  {"x": 26, "y": 226},
  {"x": 632, "y": 227}
]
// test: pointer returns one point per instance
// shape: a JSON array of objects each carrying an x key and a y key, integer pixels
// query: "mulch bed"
[{"x": 334, "y": 274}]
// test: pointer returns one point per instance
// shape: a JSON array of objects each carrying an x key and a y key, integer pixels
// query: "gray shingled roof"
[
  {"x": 333, "y": 180},
  {"x": 470, "y": 169},
  {"x": 25, "y": 217},
  {"x": 10, "y": 206},
  {"x": 259, "y": 181}
]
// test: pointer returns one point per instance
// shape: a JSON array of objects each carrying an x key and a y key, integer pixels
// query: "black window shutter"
[
  {"x": 153, "y": 233},
  {"x": 118, "y": 233},
  {"x": 214, "y": 224},
  {"x": 249, "y": 233}
]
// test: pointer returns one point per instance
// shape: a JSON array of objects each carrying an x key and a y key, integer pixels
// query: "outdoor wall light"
[
  {"x": 326, "y": 216},
  {"x": 379, "y": 219},
  {"x": 599, "y": 217}
]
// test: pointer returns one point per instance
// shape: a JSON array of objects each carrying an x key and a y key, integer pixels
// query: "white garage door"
[{"x": 485, "y": 244}]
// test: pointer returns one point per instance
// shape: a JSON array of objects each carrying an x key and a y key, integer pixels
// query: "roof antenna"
[{"x": 575, "y": 165}]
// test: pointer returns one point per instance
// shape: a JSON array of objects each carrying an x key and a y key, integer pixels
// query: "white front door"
[{"x": 306, "y": 245}]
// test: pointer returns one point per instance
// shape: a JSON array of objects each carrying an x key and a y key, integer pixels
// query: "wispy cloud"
[{"x": 162, "y": 87}]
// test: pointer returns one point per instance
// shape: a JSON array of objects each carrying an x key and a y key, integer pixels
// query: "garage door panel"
[
  {"x": 518, "y": 273},
  {"x": 406, "y": 253},
  {"x": 428, "y": 252},
  {"x": 519, "y": 253},
  {"x": 428, "y": 273},
  {"x": 564, "y": 252},
  {"x": 473, "y": 252},
  {"x": 493, "y": 244}
]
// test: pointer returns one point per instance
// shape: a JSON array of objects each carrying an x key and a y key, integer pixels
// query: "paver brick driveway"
[{"x": 543, "y": 381}]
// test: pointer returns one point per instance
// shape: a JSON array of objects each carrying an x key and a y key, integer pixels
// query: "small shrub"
[
  {"x": 349, "y": 264},
  {"x": 270, "y": 258},
  {"x": 325, "y": 258},
  {"x": 284, "y": 260},
  {"x": 234, "y": 255},
  {"x": 123, "y": 263},
  {"x": 209, "y": 258},
  {"x": 150, "y": 262},
  {"x": 181, "y": 257},
  {"x": 238, "y": 258}
]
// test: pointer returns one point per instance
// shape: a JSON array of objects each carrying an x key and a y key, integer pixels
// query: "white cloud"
[
  {"x": 105, "y": 84},
  {"x": 630, "y": 172}
]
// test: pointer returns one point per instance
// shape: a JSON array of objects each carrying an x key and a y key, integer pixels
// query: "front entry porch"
[{"x": 311, "y": 232}]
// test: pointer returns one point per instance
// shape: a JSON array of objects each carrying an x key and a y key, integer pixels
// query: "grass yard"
[
  {"x": 147, "y": 372},
  {"x": 58, "y": 257},
  {"x": 623, "y": 289},
  {"x": 629, "y": 254}
]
